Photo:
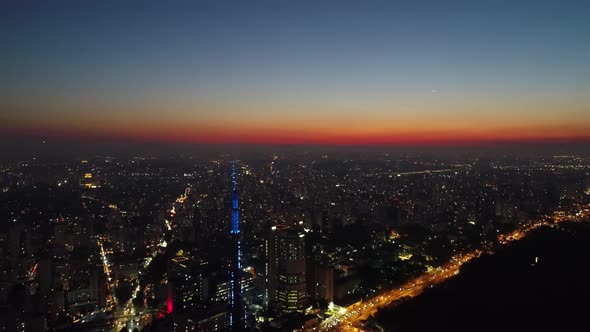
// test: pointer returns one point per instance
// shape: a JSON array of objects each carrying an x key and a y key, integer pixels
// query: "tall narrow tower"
[
  {"x": 237, "y": 321},
  {"x": 235, "y": 220}
]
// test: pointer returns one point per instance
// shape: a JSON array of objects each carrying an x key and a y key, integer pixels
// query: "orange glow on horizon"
[
  {"x": 305, "y": 121},
  {"x": 312, "y": 136}
]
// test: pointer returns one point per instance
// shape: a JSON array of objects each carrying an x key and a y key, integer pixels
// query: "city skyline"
[
  {"x": 294, "y": 166},
  {"x": 333, "y": 73},
  {"x": 144, "y": 243}
]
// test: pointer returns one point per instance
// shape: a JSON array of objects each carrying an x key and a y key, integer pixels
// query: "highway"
[{"x": 350, "y": 318}]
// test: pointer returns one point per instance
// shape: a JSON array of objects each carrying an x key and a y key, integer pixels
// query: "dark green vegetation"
[{"x": 510, "y": 290}]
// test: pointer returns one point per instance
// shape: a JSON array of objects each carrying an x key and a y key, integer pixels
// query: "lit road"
[
  {"x": 103, "y": 313},
  {"x": 350, "y": 318},
  {"x": 122, "y": 315},
  {"x": 126, "y": 316}
]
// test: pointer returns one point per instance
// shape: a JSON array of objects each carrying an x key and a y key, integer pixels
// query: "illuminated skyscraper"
[
  {"x": 286, "y": 269},
  {"x": 237, "y": 321},
  {"x": 187, "y": 283}
]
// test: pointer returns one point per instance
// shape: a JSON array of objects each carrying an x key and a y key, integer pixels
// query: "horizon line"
[{"x": 423, "y": 141}]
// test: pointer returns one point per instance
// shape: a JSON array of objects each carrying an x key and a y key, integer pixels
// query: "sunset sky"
[{"x": 317, "y": 72}]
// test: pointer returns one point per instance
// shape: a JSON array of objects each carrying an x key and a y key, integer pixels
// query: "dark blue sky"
[{"x": 303, "y": 58}]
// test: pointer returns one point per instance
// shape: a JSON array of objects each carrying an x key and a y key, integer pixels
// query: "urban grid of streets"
[
  {"x": 350, "y": 318},
  {"x": 126, "y": 315}
]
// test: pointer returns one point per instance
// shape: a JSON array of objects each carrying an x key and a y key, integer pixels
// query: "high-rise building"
[
  {"x": 187, "y": 283},
  {"x": 220, "y": 287},
  {"x": 210, "y": 319},
  {"x": 286, "y": 270},
  {"x": 323, "y": 283}
]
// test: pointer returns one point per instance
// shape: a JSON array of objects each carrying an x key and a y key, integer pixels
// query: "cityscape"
[
  {"x": 326, "y": 166},
  {"x": 284, "y": 242}
]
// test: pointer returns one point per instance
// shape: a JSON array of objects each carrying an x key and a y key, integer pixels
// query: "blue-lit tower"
[
  {"x": 235, "y": 215},
  {"x": 236, "y": 319}
]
